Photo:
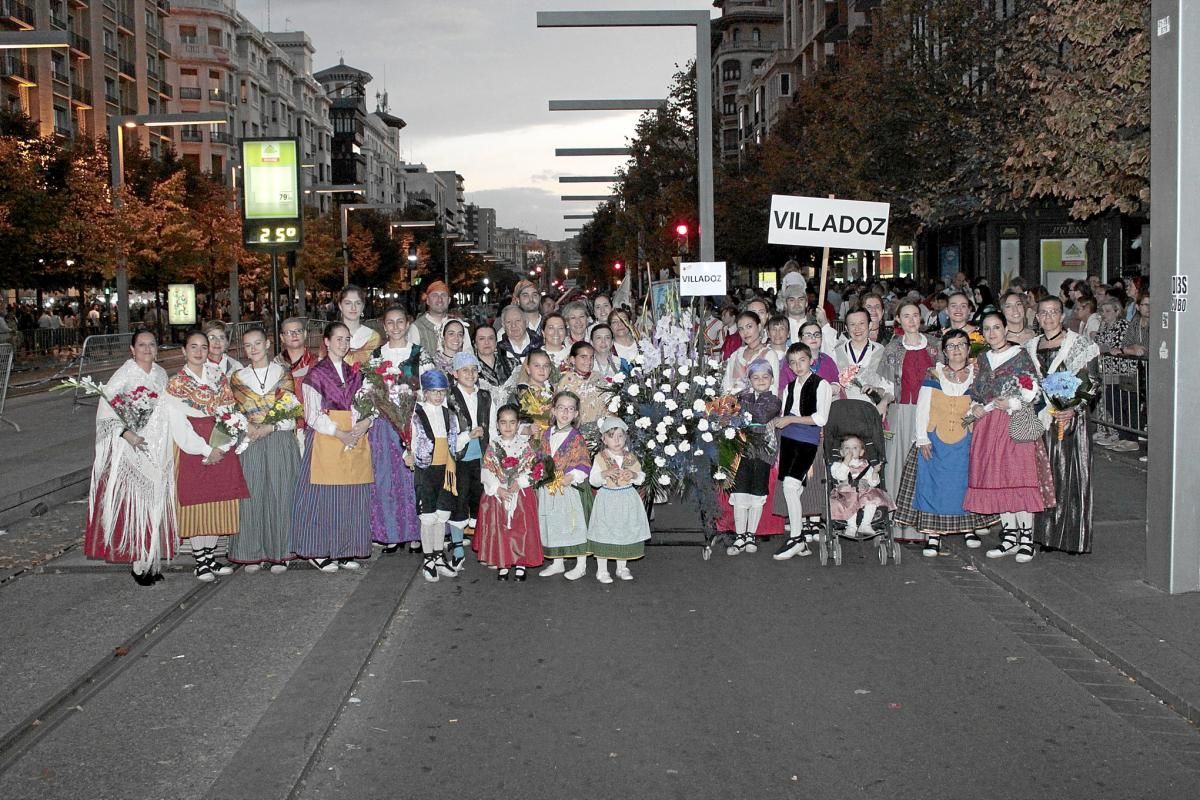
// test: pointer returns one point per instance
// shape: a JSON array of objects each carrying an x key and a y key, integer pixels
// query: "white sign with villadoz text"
[
  {"x": 701, "y": 278},
  {"x": 826, "y": 222}
]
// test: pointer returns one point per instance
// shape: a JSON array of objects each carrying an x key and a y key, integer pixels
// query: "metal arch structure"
[{"x": 701, "y": 22}]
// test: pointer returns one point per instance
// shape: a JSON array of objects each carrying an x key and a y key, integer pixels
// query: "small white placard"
[
  {"x": 1164, "y": 26},
  {"x": 824, "y": 222},
  {"x": 701, "y": 278}
]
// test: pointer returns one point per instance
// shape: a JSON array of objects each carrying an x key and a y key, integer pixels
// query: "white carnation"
[
  {"x": 702, "y": 424},
  {"x": 670, "y": 450},
  {"x": 670, "y": 404},
  {"x": 629, "y": 409},
  {"x": 651, "y": 444},
  {"x": 659, "y": 397},
  {"x": 687, "y": 413},
  {"x": 659, "y": 461},
  {"x": 683, "y": 387},
  {"x": 719, "y": 476},
  {"x": 668, "y": 419},
  {"x": 684, "y": 447},
  {"x": 684, "y": 369},
  {"x": 730, "y": 433},
  {"x": 667, "y": 373},
  {"x": 614, "y": 405},
  {"x": 698, "y": 406},
  {"x": 706, "y": 436},
  {"x": 643, "y": 423},
  {"x": 618, "y": 377},
  {"x": 633, "y": 389},
  {"x": 709, "y": 393},
  {"x": 662, "y": 438},
  {"x": 664, "y": 479},
  {"x": 681, "y": 430}
]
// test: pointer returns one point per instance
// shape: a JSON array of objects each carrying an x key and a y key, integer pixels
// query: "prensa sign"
[
  {"x": 825, "y": 222},
  {"x": 701, "y": 278}
]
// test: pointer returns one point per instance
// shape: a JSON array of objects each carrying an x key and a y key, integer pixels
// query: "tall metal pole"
[
  {"x": 1172, "y": 547},
  {"x": 345, "y": 249},
  {"x": 275, "y": 296},
  {"x": 704, "y": 135},
  {"x": 446, "y": 260},
  {"x": 116, "y": 166}
]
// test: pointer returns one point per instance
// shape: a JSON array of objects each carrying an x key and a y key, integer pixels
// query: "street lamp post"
[{"x": 116, "y": 162}]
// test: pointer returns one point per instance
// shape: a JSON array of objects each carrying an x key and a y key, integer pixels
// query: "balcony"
[
  {"x": 221, "y": 137},
  {"x": 61, "y": 83},
  {"x": 13, "y": 68},
  {"x": 112, "y": 99},
  {"x": 17, "y": 13},
  {"x": 218, "y": 96},
  {"x": 836, "y": 28},
  {"x": 189, "y": 135},
  {"x": 204, "y": 52},
  {"x": 189, "y": 93},
  {"x": 163, "y": 8},
  {"x": 63, "y": 132},
  {"x": 164, "y": 47},
  {"x": 127, "y": 109},
  {"x": 125, "y": 22},
  {"x": 109, "y": 50},
  {"x": 80, "y": 44},
  {"x": 57, "y": 21},
  {"x": 81, "y": 95},
  {"x": 127, "y": 69},
  {"x": 166, "y": 90},
  {"x": 79, "y": 3}
]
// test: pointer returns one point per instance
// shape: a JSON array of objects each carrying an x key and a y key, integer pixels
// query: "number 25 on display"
[{"x": 278, "y": 234}]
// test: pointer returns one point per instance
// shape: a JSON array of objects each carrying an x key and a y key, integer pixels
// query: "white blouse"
[{"x": 925, "y": 400}]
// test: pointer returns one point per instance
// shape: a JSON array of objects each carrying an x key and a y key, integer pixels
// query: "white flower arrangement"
[
  {"x": 664, "y": 479},
  {"x": 730, "y": 433},
  {"x": 706, "y": 436},
  {"x": 643, "y": 423},
  {"x": 633, "y": 389},
  {"x": 687, "y": 413},
  {"x": 658, "y": 397},
  {"x": 683, "y": 387},
  {"x": 682, "y": 430},
  {"x": 670, "y": 450},
  {"x": 618, "y": 378},
  {"x": 702, "y": 425},
  {"x": 698, "y": 406},
  {"x": 660, "y": 462},
  {"x": 683, "y": 370},
  {"x": 684, "y": 446},
  {"x": 670, "y": 404}
]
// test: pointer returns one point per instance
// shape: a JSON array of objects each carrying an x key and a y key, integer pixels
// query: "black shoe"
[
  {"x": 502, "y": 575},
  {"x": 391, "y": 548},
  {"x": 414, "y": 547},
  {"x": 519, "y": 574},
  {"x": 145, "y": 578}
]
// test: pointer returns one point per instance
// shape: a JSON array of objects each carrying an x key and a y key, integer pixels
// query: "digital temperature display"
[
  {"x": 269, "y": 234},
  {"x": 272, "y": 214}
]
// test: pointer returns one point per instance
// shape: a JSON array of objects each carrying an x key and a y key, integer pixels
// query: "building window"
[
  {"x": 187, "y": 34},
  {"x": 214, "y": 37},
  {"x": 755, "y": 35},
  {"x": 731, "y": 70},
  {"x": 733, "y": 34},
  {"x": 729, "y": 104},
  {"x": 785, "y": 84}
]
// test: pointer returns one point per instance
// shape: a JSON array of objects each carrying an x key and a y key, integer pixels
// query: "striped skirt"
[
  {"x": 270, "y": 466},
  {"x": 329, "y": 521}
]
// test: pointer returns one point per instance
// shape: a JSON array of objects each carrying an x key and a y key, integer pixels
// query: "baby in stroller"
[{"x": 856, "y": 489}]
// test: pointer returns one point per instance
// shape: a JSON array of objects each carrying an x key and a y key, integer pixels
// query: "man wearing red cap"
[{"x": 527, "y": 297}]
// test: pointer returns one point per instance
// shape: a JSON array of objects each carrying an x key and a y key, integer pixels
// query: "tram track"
[{"x": 71, "y": 700}]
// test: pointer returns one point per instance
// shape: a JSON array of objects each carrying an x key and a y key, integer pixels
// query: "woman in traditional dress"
[
  {"x": 208, "y": 487},
  {"x": 130, "y": 516},
  {"x": 1012, "y": 303},
  {"x": 1006, "y": 476},
  {"x": 737, "y": 370},
  {"x": 331, "y": 525},
  {"x": 931, "y": 489},
  {"x": 562, "y": 510},
  {"x": 554, "y": 329},
  {"x": 495, "y": 367},
  {"x": 864, "y": 391},
  {"x": 1068, "y": 525},
  {"x": 452, "y": 338},
  {"x": 602, "y": 308},
  {"x": 265, "y": 390},
  {"x": 363, "y": 340},
  {"x": 576, "y": 315},
  {"x": 606, "y": 363},
  {"x": 906, "y": 360},
  {"x": 958, "y": 310},
  {"x": 625, "y": 343},
  {"x": 583, "y": 381},
  {"x": 393, "y": 499},
  {"x": 218, "y": 341}
]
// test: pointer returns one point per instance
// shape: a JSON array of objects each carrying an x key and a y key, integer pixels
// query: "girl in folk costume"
[
  {"x": 476, "y": 421},
  {"x": 753, "y": 348},
  {"x": 331, "y": 524},
  {"x": 130, "y": 516},
  {"x": 752, "y": 480},
  {"x": 857, "y": 489},
  {"x": 218, "y": 341},
  {"x": 618, "y": 527},
  {"x": 452, "y": 340},
  {"x": 531, "y": 391},
  {"x": 1068, "y": 526},
  {"x": 580, "y": 379},
  {"x": 209, "y": 486},
  {"x": 363, "y": 340},
  {"x": 266, "y": 394},
  {"x": 931, "y": 490},
  {"x": 905, "y": 362},
  {"x": 804, "y": 411},
  {"x": 393, "y": 498},
  {"x": 1007, "y": 476},
  {"x": 562, "y": 515},
  {"x": 435, "y": 441},
  {"x": 507, "y": 535}
]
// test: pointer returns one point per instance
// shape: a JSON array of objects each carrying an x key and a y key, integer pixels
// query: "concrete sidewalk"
[{"x": 50, "y": 460}]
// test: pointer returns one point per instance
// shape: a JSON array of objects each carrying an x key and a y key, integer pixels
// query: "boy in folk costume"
[
  {"x": 476, "y": 421},
  {"x": 434, "y": 437}
]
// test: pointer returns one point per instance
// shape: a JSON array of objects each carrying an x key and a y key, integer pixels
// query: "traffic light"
[
  {"x": 617, "y": 266},
  {"x": 681, "y": 230}
]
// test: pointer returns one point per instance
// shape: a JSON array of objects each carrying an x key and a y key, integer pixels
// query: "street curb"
[
  {"x": 1181, "y": 706},
  {"x": 70, "y": 486}
]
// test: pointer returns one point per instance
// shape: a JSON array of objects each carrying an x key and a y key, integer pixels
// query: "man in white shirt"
[{"x": 517, "y": 340}]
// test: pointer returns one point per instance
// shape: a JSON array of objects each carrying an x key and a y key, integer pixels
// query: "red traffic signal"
[
  {"x": 617, "y": 267},
  {"x": 681, "y": 229}
]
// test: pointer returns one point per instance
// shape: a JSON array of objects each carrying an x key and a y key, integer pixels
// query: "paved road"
[{"x": 733, "y": 678}]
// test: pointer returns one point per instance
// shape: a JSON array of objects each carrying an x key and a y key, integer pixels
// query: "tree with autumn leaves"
[{"x": 940, "y": 108}]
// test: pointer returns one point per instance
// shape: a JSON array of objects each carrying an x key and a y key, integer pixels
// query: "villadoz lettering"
[
  {"x": 825, "y": 222},
  {"x": 701, "y": 278}
]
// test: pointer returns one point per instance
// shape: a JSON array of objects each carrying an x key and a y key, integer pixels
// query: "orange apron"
[{"x": 333, "y": 464}]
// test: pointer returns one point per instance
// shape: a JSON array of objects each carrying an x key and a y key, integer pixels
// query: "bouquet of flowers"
[
  {"x": 1065, "y": 390},
  {"x": 848, "y": 378},
  {"x": 133, "y": 408},
  {"x": 232, "y": 431},
  {"x": 979, "y": 346},
  {"x": 394, "y": 394},
  {"x": 285, "y": 407},
  {"x": 535, "y": 405}
]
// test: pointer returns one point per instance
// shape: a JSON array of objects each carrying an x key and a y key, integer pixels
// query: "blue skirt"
[{"x": 330, "y": 521}]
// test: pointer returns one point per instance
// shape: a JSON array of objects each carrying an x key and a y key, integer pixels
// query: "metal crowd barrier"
[
  {"x": 42, "y": 341},
  {"x": 6, "y": 360},
  {"x": 1122, "y": 404},
  {"x": 234, "y": 331},
  {"x": 100, "y": 351}
]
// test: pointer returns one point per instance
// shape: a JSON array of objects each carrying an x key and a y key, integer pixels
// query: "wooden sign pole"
[{"x": 824, "y": 274}]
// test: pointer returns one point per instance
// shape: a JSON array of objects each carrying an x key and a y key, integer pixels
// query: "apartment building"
[
  {"x": 481, "y": 227},
  {"x": 115, "y": 65},
  {"x": 746, "y": 34}
]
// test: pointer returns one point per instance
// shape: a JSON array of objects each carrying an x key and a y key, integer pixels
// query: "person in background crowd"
[
  {"x": 1136, "y": 339},
  {"x": 879, "y": 331},
  {"x": 548, "y": 305},
  {"x": 625, "y": 343},
  {"x": 517, "y": 339},
  {"x": 218, "y": 340},
  {"x": 495, "y": 366},
  {"x": 429, "y": 325},
  {"x": 795, "y": 306},
  {"x": 581, "y": 379},
  {"x": 607, "y": 363},
  {"x": 1085, "y": 320},
  {"x": 958, "y": 311},
  {"x": 1012, "y": 305},
  {"x": 453, "y": 340},
  {"x": 528, "y": 299},
  {"x": 554, "y": 328},
  {"x": 601, "y": 309},
  {"x": 1108, "y": 338},
  {"x": 576, "y": 315}
]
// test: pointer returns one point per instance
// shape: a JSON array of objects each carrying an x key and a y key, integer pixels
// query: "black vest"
[
  {"x": 483, "y": 404},
  {"x": 808, "y": 396}
]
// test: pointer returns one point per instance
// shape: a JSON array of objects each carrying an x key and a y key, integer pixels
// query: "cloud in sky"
[{"x": 472, "y": 79}]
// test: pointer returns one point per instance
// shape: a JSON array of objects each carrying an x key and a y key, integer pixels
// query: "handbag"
[{"x": 1024, "y": 425}]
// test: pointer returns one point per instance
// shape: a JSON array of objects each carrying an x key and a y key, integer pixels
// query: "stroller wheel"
[
  {"x": 896, "y": 550},
  {"x": 706, "y": 552},
  {"x": 823, "y": 548},
  {"x": 882, "y": 551},
  {"x": 837, "y": 552}
]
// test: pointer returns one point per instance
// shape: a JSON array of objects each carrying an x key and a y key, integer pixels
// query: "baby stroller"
[{"x": 858, "y": 418}]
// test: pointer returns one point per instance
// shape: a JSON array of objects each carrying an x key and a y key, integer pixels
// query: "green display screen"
[{"x": 271, "y": 193}]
